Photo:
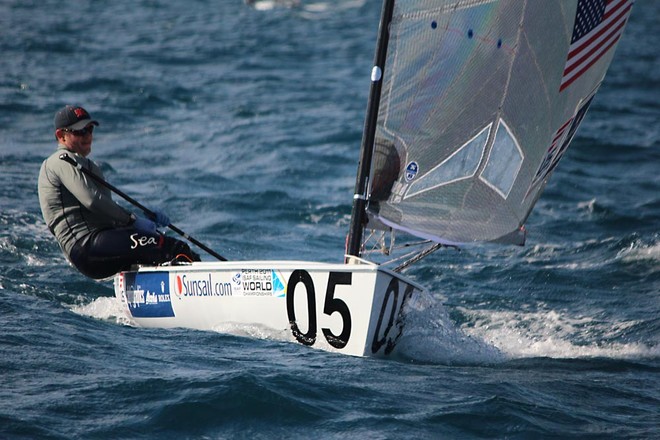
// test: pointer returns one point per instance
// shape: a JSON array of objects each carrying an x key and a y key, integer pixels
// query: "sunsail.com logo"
[{"x": 201, "y": 285}]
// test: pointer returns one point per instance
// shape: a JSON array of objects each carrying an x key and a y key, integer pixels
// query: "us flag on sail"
[{"x": 598, "y": 26}]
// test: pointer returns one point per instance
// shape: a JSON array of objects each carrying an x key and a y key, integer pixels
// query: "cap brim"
[{"x": 82, "y": 124}]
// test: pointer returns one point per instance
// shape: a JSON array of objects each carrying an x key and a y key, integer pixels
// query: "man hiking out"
[{"x": 99, "y": 237}]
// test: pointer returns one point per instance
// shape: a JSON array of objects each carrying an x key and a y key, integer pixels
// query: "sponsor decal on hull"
[
  {"x": 201, "y": 284},
  {"x": 148, "y": 295},
  {"x": 259, "y": 282}
]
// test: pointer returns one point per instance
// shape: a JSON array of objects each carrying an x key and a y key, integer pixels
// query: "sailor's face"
[{"x": 78, "y": 141}]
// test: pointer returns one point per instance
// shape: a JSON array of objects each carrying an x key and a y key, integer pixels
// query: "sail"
[{"x": 480, "y": 99}]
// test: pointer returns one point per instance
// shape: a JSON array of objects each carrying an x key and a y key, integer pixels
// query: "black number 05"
[{"x": 330, "y": 306}]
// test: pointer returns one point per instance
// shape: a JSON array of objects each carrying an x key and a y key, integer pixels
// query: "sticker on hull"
[
  {"x": 148, "y": 295},
  {"x": 259, "y": 282}
]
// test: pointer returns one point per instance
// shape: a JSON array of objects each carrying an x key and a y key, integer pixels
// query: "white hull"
[{"x": 354, "y": 309}]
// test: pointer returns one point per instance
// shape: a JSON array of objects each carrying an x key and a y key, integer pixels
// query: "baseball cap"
[{"x": 73, "y": 117}]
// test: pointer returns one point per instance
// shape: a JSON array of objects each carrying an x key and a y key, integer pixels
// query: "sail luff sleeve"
[{"x": 358, "y": 215}]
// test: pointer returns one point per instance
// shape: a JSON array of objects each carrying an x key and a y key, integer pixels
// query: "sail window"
[
  {"x": 463, "y": 163},
  {"x": 504, "y": 161}
]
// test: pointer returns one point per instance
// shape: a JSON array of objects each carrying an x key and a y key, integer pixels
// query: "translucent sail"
[{"x": 480, "y": 101}]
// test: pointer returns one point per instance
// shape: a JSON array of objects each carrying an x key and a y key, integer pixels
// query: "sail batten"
[{"x": 480, "y": 100}]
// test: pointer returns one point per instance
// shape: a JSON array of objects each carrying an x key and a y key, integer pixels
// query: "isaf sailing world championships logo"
[{"x": 259, "y": 282}]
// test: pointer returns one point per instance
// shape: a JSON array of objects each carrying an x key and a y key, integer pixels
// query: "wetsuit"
[{"x": 96, "y": 234}]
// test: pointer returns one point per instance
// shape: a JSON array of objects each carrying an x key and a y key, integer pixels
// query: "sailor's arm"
[{"x": 91, "y": 196}]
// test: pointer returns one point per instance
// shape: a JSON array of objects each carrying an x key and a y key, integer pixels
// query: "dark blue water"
[{"x": 244, "y": 125}]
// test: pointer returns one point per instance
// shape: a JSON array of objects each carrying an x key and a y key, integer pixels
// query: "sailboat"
[{"x": 472, "y": 105}]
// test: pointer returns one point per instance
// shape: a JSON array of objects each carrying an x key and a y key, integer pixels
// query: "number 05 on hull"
[{"x": 355, "y": 309}]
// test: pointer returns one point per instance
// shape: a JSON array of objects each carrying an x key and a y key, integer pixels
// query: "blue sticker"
[
  {"x": 411, "y": 171},
  {"x": 148, "y": 295}
]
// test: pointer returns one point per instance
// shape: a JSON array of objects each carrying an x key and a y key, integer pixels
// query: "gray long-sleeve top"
[{"x": 73, "y": 205}]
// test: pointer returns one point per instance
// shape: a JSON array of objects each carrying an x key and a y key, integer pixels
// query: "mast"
[{"x": 358, "y": 214}]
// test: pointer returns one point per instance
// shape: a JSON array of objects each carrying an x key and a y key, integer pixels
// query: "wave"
[
  {"x": 640, "y": 251},
  {"x": 104, "y": 308},
  {"x": 560, "y": 335},
  {"x": 309, "y": 8},
  {"x": 431, "y": 337}
]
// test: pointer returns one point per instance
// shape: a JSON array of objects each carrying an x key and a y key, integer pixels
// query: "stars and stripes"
[
  {"x": 560, "y": 142},
  {"x": 554, "y": 153},
  {"x": 598, "y": 26}
]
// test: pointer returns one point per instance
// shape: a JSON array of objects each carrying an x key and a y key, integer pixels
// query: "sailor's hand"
[
  {"x": 161, "y": 219},
  {"x": 144, "y": 225}
]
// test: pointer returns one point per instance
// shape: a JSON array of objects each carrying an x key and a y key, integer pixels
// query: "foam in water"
[
  {"x": 308, "y": 8},
  {"x": 253, "y": 331},
  {"x": 267, "y": 5},
  {"x": 639, "y": 251},
  {"x": 430, "y": 336},
  {"x": 553, "y": 334},
  {"x": 105, "y": 308}
]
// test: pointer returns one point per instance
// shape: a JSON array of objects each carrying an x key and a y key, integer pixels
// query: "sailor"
[{"x": 99, "y": 237}]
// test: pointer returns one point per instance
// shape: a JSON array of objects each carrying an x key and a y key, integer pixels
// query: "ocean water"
[{"x": 243, "y": 123}]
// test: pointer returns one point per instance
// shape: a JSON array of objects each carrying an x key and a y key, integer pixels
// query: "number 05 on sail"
[{"x": 472, "y": 105}]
